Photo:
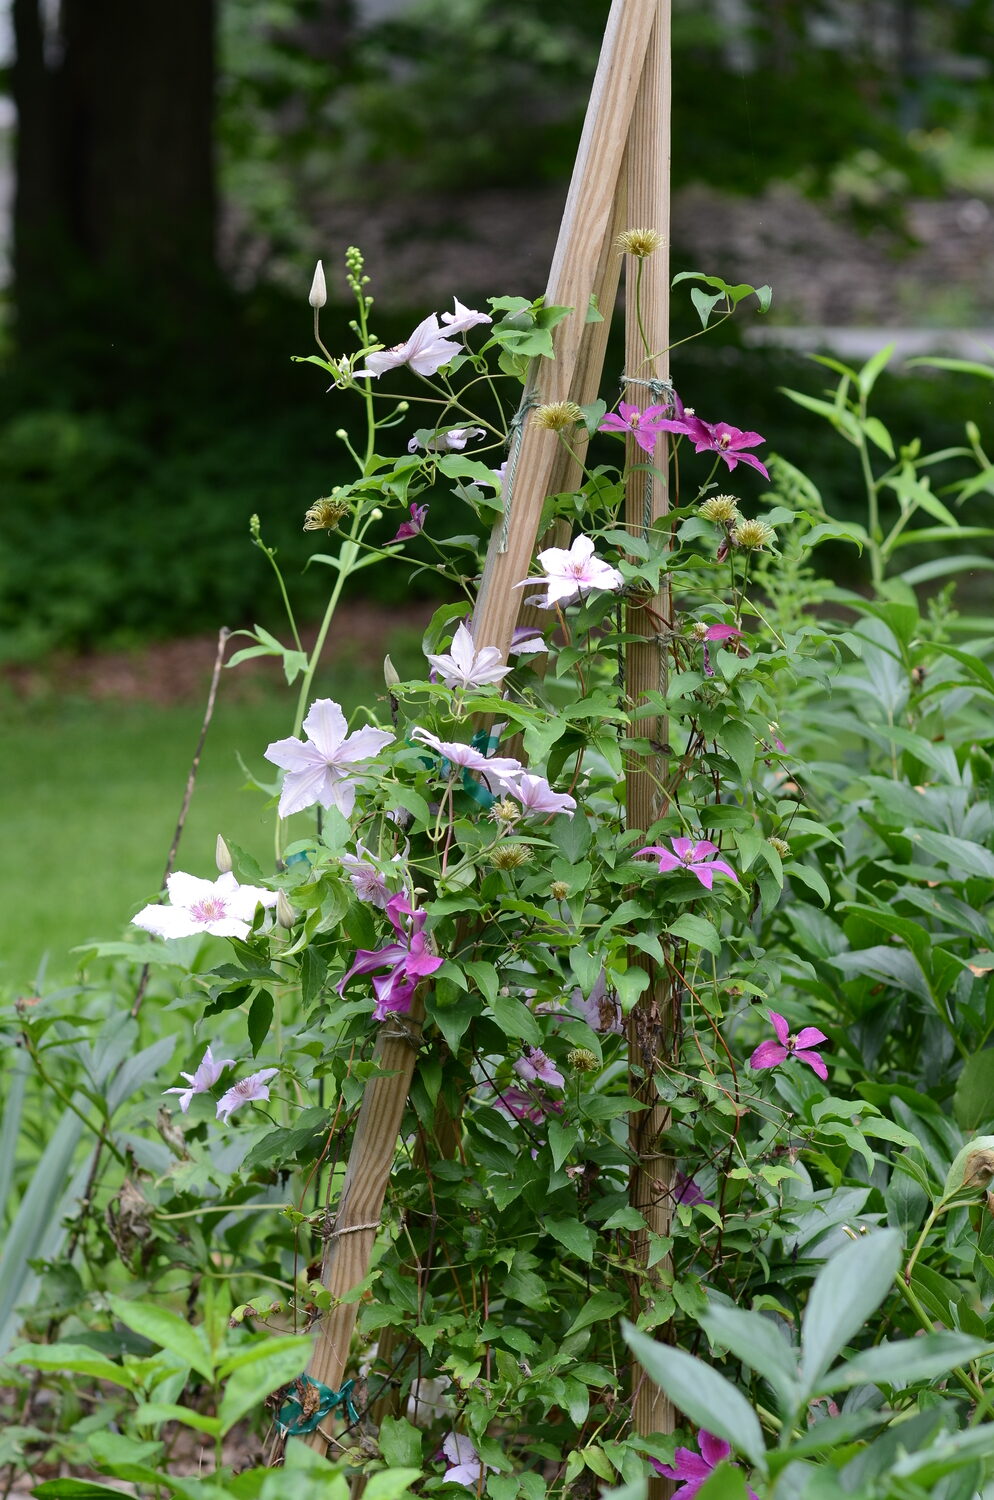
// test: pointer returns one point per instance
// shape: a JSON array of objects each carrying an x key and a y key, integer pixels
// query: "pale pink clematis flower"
[
  {"x": 536, "y": 795},
  {"x": 367, "y": 881},
  {"x": 454, "y": 440},
  {"x": 644, "y": 426},
  {"x": 426, "y": 351},
  {"x": 319, "y": 769},
  {"x": 697, "y": 858},
  {"x": 221, "y": 907},
  {"x": 694, "y": 1468},
  {"x": 466, "y": 667},
  {"x": 536, "y": 1067},
  {"x": 526, "y": 641},
  {"x": 600, "y": 1010},
  {"x": 466, "y": 757},
  {"x": 413, "y": 527},
  {"x": 466, "y": 1467},
  {"x": 771, "y": 1054},
  {"x": 570, "y": 574},
  {"x": 206, "y": 1076},
  {"x": 255, "y": 1086},
  {"x": 463, "y": 318}
]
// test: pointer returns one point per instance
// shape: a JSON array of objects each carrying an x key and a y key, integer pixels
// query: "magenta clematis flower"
[
  {"x": 407, "y": 960},
  {"x": 206, "y": 1076},
  {"x": 718, "y": 437},
  {"x": 522, "y": 1104},
  {"x": 536, "y": 1067},
  {"x": 771, "y": 1054},
  {"x": 319, "y": 770},
  {"x": 536, "y": 795},
  {"x": 466, "y": 1467},
  {"x": 694, "y": 1468},
  {"x": 570, "y": 574},
  {"x": 704, "y": 633},
  {"x": 696, "y": 858},
  {"x": 255, "y": 1086},
  {"x": 221, "y": 907},
  {"x": 465, "y": 667},
  {"x": 685, "y": 1190},
  {"x": 463, "y": 318},
  {"x": 644, "y": 426},
  {"x": 413, "y": 527},
  {"x": 426, "y": 351},
  {"x": 466, "y": 757}
]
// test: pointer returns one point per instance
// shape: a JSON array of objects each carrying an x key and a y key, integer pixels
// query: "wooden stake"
[
  {"x": 652, "y": 1027},
  {"x": 582, "y": 235}
]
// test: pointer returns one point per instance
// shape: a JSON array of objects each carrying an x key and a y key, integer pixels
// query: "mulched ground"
[{"x": 179, "y": 671}]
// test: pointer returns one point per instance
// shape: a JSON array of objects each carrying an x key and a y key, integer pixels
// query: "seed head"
[
  {"x": 699, "y": 630},
  {"x": 505, "y": 811},
  {"x": 752, "y": 535},
  {"x": 510, "y": 856},
  {"x": 723, "y": 510},
  {"x": 639, "y": 242},
  {"x": 780, "y": 845},
  {"x": 558, "y": 415},
  {"x": 325, "y": 514},
  {"x": 559, "y": 890},
  {"x": 581, "y": 1060}
]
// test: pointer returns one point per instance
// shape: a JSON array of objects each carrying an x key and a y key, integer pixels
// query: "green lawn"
[{"x": 92, "y": 792}]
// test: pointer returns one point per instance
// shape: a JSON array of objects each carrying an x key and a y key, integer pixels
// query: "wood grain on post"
[
  {"x": 589, "y": 211},
  {"x": 652, "y": 1027},
  {"x": 357, "y": 1215}
]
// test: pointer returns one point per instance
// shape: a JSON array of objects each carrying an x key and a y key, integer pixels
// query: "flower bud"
[
  {"x": 318, "y": 294},
  {"x": 390, "y": 674},
  {"x": 582, "y": 1060},
  {"x": 222, "y": 856},
  {"x": 286, "y": 915},
  {"x": 376, "y": 514}
]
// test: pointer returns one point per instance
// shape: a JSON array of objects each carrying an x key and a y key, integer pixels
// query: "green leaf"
[
  {"x": 963, "y": 856},
  {"x": 168, "y": 1330},
  {"x": 74, "y": 1489},
  {"x": 708, "y": 1399},
  {"x": 578, "y": 1238},
  {"x": 249, "y": 1385},
  {"x": 835, "y": 531},
  {"x": 696, "y": 930},
  {"x": 757, "y": 1342},
  {"x": 847, "y": 1290},
  {"x": 563, "y": 1136},
  {"x": 400, "y": 1443},
  {"x": 905, "y": 1361},
  {"x": 866, "y": 378},
  {"x": 571, "y": 836},
  {"x": 973, "y": 1101},
  {"x": 79, "y": 1359},
  {"x": 515, "y": 1019},
  {"x": 260, "y": 1018},
  {"x": 390, "y": 1484},
  {"x": 155, "y": 1413},
  {"x": 596, "y": 1309}
]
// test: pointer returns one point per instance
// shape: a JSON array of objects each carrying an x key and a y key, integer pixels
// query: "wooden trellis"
[{"x": 620, "y": 179}]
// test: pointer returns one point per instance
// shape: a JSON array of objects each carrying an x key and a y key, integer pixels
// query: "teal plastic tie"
[{"x": 293, "y": 1420}]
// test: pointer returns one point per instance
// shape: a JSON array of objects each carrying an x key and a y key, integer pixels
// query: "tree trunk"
[{"x": 116, "y": 185}]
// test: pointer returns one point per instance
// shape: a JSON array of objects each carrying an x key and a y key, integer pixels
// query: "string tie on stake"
[
  {"x": 660, "y": 390},
  {"x": 514, "y": 448},
  {"x": 311, "y": 1401}
]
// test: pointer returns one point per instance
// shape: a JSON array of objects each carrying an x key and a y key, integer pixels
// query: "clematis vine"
[
  {"x": 692, "y": 1469},
  {"x": 254, "y": 1087},
  {"x": 770, "y": 1054},
  {"x": 221, "y": 907},
  {"x": 413, "y": 527},
  {"x": 321, "y": 768},
  {"x": 571, "y": 573},
  {"x": 696, "y": 857},
  {"x": 426, "y": 351},
  {"x": 407, "y": 960},
  {"x": 464, "y": 666},
  {"x": 206, "y": 1076},
  {"x": 644, "y": 426}
]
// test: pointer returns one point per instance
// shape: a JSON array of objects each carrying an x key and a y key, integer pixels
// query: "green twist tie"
[
  {"x": 292, "y": 1419},
  {"x": 486, "y": 741}
]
